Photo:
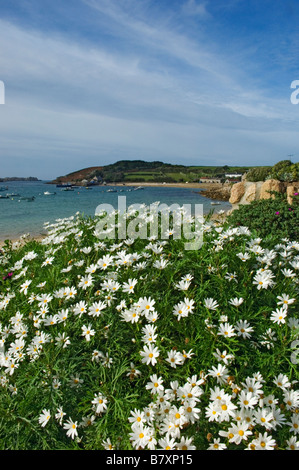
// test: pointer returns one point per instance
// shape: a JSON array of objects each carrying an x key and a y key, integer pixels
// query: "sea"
[{"x": 19, "y": 216}]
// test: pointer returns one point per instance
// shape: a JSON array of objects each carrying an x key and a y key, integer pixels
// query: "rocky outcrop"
[
  {"x": 269, "y": 186},
  {"x": 247, "y": 191},
  {"x": 217, "y": 191},
  {"x": 237, "y": 192}
]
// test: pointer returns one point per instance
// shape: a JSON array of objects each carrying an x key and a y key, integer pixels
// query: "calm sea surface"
[{"x": 18, "y": 216}]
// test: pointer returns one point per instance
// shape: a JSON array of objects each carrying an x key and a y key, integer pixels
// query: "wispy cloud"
[
  {"x": 192, "y": 7},
  {"x": 140, "y": 84}
]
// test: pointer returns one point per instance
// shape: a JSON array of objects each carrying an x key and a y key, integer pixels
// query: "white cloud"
[{"x": 161, "y": 96}]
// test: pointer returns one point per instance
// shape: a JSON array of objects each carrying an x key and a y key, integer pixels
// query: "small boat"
[
  {"x": 13, "y": 195},
  {"x": 67, "y": 189},
  {"x": 111, "y": 191},
  {"x": 27, "y": 198},
  {"x": 138, "y": 188},
  {"x": 215, "y": 203},
  {"x": 47, "y": 193},
  {"x": 4, "y": 197}
]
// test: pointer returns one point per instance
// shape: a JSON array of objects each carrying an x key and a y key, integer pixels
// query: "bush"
[
  {"x": 257, "y": 174},
  {"x": 269, "y": 217},
  {"x": 285, "y": 171}
]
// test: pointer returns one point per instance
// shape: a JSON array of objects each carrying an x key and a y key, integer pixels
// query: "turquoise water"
[{"x": 21, "y": 216}]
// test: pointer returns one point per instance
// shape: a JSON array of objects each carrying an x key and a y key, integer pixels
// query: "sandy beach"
[
  {"x": 216, "y": 191},
  {"x": 173, "y": 185},
  {"x": 37, "y": 238}
]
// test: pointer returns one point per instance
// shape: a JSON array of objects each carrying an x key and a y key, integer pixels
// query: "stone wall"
[{"x": 246, "y": 191}]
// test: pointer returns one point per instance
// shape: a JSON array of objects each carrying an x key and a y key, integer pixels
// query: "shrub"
[
  {"x": 257, "y": 174},
  {"x": 285, "y": 172},
  {"x": 269, "y": 217}
]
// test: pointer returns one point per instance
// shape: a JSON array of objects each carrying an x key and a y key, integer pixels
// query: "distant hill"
[
  {"x": 18, "y": 178},
  {"x": 78, "y": 175},
  {"x": 130, "y": 171}
]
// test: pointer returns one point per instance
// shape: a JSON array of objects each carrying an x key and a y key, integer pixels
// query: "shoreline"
[
  {"x": 203, "y": 186},
  {"x": 21, "y": 240},
  {"x": 170, "y": 185}
]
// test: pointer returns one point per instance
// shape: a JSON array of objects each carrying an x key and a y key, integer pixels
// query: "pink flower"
[
  {"x": 8, "y": 276},
  {"x": 277, "y": 213}
]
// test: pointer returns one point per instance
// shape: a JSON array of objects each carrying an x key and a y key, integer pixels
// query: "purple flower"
[
  {"x": 277, "y": 213},
  {"x": 8, "y": 276}
]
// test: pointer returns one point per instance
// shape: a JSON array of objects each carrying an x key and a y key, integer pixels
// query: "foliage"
[
  {"x": 272, "y": 217},
  {"x": 79, "y": 311},
  {"x": 258, "y": 174},
  {"x": 284, "y": 170}
]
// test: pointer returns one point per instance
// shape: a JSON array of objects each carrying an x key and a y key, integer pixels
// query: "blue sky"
[{"x": 90, "y": 82}]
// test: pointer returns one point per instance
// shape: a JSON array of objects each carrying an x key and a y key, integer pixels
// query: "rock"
[
  {"x": 246, "y": 191},
  {"x": 237, "y": 191},
  {"x": 250, "y": 194},
  {"x": 291, "y": 190},
  {"x": 219, "y": 192},
  {"x": 270, "y": 185}
]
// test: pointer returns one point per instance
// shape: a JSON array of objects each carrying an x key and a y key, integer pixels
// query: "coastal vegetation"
[
  {"x": 284, "y": 170},
  {"x": 274, "y": 216},
  {"x": 127, "y": 171},
  {"x": 137, "y": 343}
]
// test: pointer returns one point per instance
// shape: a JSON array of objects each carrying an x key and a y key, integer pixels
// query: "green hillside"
[
  {"x": 131, "y": 171},
  {"x": 140, "y": 171}
]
